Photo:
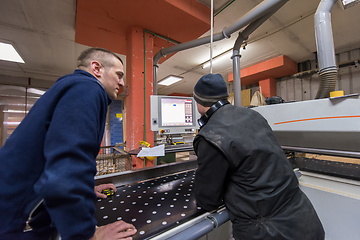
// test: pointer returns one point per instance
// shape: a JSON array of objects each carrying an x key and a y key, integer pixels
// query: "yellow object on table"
[
  {"x": 108, "y": 192},
  {"x": 144, "y": 144}
]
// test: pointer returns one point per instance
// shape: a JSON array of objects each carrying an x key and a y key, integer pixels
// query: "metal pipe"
[
  {"x": 305, "y": 73},
  {"x": 260, "y": 10},
  {"x": 243, "y": 36},
  {"x": 236, "y": 76},
  {"x": 200, "y": 229},
  {"x": 323, "y": 151},
  {"x": 186, "y": 45},
  {"x": 181, "y": 227},
  {"x": 155, "y": 67},
  {"x": 325, "y": 48},
  {"x": 144, "y": 90},
  {"x": 350, "y": 63}
]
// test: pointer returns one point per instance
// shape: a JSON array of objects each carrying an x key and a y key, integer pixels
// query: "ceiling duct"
[
  {"x": 259, "y": 11},
  {"x": 325, "y": 48}
]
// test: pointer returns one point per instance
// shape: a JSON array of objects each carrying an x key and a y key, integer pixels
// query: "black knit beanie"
[{"x": 209, "y": 89}]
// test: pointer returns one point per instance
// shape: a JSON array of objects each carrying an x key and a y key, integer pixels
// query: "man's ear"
[{"x": 96, "y": 68}]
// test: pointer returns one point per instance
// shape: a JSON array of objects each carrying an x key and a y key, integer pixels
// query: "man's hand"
[
  {"x": 101, "y": 187},
  {"x": 117, "y": 230}
]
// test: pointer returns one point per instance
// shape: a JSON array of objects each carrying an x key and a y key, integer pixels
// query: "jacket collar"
[{"x": 82, "y": 72}]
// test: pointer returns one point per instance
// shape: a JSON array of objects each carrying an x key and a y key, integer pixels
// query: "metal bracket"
[{"x": 213, "y": 221}]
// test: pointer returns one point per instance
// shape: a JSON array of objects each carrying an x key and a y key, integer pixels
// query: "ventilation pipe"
[
  {"x": 260, "y": 10},
  {"x": 243, "y": 36},
  {"x": 325, "y": 49}
]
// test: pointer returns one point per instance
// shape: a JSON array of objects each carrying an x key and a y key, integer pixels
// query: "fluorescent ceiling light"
[
  {"x": 218, "y": 59},
  {"x": 349, "y": 3},
  {"x": 11, "y": 123},
  {"x": 8, "y": 53},
  {"x": 169, "y": 80},
  {"x": 15, "y": 111},
  {"x": 36, "y": 91}
]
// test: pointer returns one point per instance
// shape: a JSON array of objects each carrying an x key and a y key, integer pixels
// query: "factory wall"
[
  {"x": 304, "y": 88},
  {"x": 23, "y": 91},
  {"x": 295, "y": 88}
]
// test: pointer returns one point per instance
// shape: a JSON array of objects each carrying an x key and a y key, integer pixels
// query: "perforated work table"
[{"x": 152, "y": 206}]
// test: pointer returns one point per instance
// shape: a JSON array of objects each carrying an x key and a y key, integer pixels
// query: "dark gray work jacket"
[{"x": 260, "y": 191}]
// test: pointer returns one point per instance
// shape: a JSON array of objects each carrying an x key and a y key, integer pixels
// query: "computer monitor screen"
[
  {"x": 176, "y": 112},
  {"x": 173, "y": 115}
]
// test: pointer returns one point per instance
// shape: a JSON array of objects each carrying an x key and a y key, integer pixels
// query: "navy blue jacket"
[{"x": 51, "y": 156}]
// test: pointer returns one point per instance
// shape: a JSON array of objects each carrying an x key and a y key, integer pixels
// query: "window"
[{"x": 15, "y": 103}]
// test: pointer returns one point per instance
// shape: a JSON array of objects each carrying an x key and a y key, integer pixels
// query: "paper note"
[{"x": 157, "y": 151}]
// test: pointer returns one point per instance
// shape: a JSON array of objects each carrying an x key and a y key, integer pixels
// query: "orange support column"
[
  {"x": 268, "y": 87},
  {"x": 139, "y": 87}
]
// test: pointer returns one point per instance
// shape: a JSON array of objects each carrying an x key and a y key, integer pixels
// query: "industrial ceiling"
[{"x": 44, "y": 33}]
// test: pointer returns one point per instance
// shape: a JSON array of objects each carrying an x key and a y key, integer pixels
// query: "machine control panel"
[
  {"x": 168, "y": 131},
  {"x": 173, "y": 115}
]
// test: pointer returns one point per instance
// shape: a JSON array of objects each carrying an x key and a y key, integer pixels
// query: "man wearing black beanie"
[{"x": 241, "y": 165}]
